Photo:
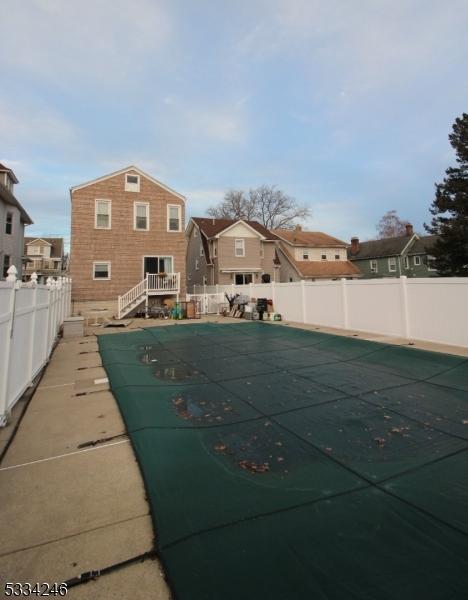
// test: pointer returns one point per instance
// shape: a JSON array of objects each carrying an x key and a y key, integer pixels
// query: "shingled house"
[
  {"x": 312, "y": 255},
  {"x": 226, "y": 251},
  {"x": 407, "y": 255},
  {"x": 13, "y": 219},
  {"x": 45, "y": 257}
]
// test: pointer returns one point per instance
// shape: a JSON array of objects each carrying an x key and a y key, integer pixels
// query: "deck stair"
[{"x": 151, "y": 285}]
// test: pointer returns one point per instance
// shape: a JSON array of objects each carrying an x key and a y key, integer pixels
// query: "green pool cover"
[{"x": 289, "y": 464}]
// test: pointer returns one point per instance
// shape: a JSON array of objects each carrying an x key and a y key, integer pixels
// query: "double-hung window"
[
  {"x": 102, "y": 270},
  {"x": 174, "y": 217},
  {"x": 239, "y": 246},
  {"x": 392, "y": 264},
  {"x": 373, "y": 266},
  {"x": 9, "y": 223},
  {"x": 431, "y": 264},
  {"x": 102, "y": 214},
  {"x": 6, "y": 265},
  {"x": 305, "y": 255},
  {"x": 417, "y": 261},
  {"x": 141, "y": 216}
]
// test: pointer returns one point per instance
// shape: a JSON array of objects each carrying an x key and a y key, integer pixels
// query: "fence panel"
[
  {"x": 376, "y": 306},
  {"x": 30, "y": 318},
  {"x": 324, "y": 304},
  {"x": 438, "y": 310}
]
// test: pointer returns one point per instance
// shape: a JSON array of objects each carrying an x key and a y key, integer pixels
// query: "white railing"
[
  {"x": 431, "y": 309},
  {"x": 135, "y": 293},
  {"x": 30, "y": 319},
  {"x": 152, "y": 284},
  {"x": 166, "y": 283}
]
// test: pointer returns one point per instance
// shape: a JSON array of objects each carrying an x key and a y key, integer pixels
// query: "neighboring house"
[
  {"x": 45, "y": 257},
  {"x": 420, "y": 261},
  {"x": 312, "y": 255},
  {"x": 391, "y": 257},
  {"x": 13, "y": 219},
  {"x": 127, "y": 241},
  {"x": 226, "y": 251}
]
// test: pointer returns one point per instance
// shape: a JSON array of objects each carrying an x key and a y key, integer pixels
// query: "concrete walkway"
[{"x": 65, "y": 510}]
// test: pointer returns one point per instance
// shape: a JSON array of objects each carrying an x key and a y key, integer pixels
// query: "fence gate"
[{"x": 207, "y": 304}]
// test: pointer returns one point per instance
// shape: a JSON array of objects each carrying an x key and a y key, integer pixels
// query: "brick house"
[
  {"x": 312, "y": 255},
  {"x": 127, "y": 242},
  {"x": 227, "y": 251}
]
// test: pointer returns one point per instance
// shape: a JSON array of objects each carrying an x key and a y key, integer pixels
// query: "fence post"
[
  {"x": 303, "y": 300},
  {"x": 33, "y": 327},
  {"x": 10, "y": 316},
  {"x": 404, "y": 307},
  {"x": 344, "y": 297}
]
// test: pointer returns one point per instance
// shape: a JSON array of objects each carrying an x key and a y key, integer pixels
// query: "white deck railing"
[
  {"x": 168, "y": 283},
  {"x": 152, "y": 284}
]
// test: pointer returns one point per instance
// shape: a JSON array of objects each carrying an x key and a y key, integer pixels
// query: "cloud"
[{"x": 73, "y": 43}]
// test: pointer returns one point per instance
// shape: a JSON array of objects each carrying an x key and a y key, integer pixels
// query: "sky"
[{"x": 346, "y": 106}]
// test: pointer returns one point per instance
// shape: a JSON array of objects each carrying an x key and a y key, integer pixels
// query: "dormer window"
[
  {"x": 305, "y": 255},
  {"x": 324, "y": 257},
  {"x": 132, "y": 183}
]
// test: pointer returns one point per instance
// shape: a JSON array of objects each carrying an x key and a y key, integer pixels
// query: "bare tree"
[
  {"x": 266, "y": 204},
  {"x": 236, "y": 205},
  {"x": 390, "y": 225}
]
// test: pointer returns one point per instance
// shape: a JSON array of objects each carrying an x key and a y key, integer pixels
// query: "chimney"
[
  {"x": 298, "y": 227},
  {"x": 354, "y": 245},
  {"x": 409, "y": 229}
]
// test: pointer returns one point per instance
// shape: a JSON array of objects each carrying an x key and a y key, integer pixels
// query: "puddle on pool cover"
[{"x": 176, "y": 373}]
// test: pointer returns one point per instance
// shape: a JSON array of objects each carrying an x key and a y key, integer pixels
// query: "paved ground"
[{"x": 65, "y": 510}]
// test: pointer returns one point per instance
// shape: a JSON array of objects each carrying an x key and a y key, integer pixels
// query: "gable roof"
[
  {"x": 393, "y": 246},
  {"x": 297, "y": 237},
  {"x": 212, "y": 227},
  {"x": 322, "y": 269},
  {"x": 121, "y": 172},
  {"x": 8, "y": 198},
  {"x": 423, "y": 245},
  {"x": 4, "y": 169},
  {"x": 56, "y": 250}
]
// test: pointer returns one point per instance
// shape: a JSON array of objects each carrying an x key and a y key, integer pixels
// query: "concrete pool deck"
[{"x": 66, "y": 510}]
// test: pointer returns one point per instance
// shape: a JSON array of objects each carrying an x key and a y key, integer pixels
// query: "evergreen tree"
[{"x": 450, "y": 209}]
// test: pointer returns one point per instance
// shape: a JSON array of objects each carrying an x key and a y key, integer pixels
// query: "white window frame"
[
  {"x": 146, "y": 205},
  {"x": 179, "y": 211},
  {"x": 195, "y": 233},
  {"x": 215, "y": 249},
  {"x": 374, "y": 266},
  {"x": 132, "y": 187},
  {"x": 102, "y": 262},
  {"x": 196, "y": 264},
  {"x": 305, "y": 255},
  {"x": 417, "y": 261},
  {"x": 109, "y": 203},
  {"x": 429, "y": 258},
  {"x": 201, "y": 250},
  {"x": 392, "y": 263},
  {"x": 406, "y": 262},
  {"x": 236, "y": 248}
]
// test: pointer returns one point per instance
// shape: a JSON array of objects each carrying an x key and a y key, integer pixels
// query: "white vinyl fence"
[
  {"x": 431, "y": 309},
  {"x": 30, "y": 319}
]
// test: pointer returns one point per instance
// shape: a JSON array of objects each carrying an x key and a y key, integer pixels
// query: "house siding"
[
  {"x": 121, "y": 245},
  {"x": 11, "y": 244},
  {"x": 194, "y": 276}
]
